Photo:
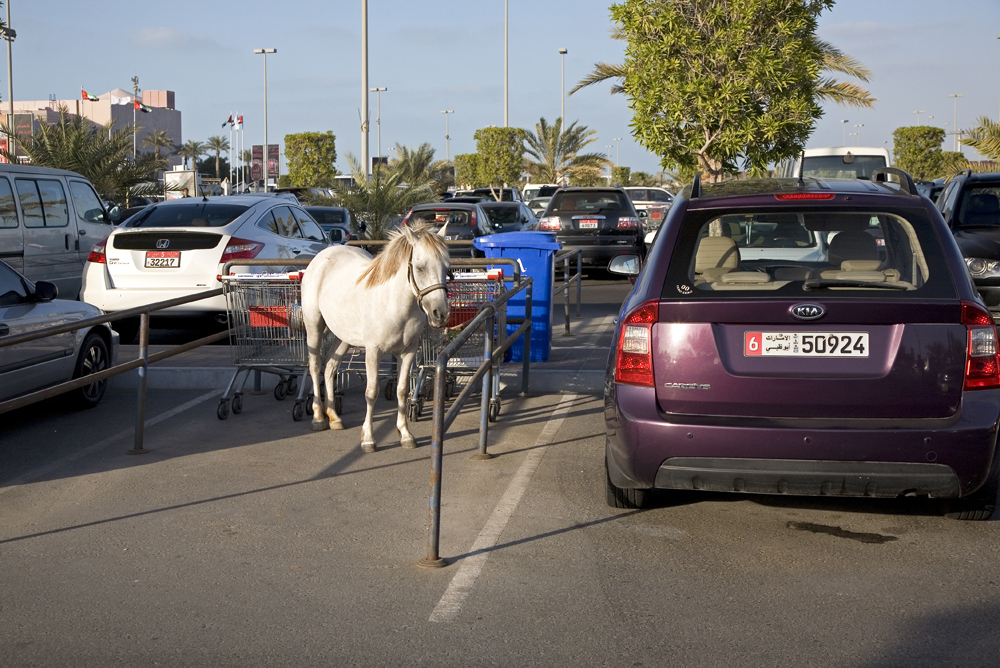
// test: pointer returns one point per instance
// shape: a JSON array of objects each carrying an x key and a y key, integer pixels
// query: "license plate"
[
  {"x": 588, "y": 224},
  {"x": 805, "y": 344},
  {"x": 163, "y": 259}
]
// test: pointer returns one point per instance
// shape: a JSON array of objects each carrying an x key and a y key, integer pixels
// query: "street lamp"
[
  {"x": 618, "y": 152},
  {"x": 447, "y": 135},
  {"x": 844, "y": 123},
  {"x": 267, "y": 152},
  {"x": 10, "y": 35},
  {"x": 365, "y": 160},
  {"x": 918, "y": 116},
  {"x": 562, "y": 87},
  {"x": 859, "y": 125},
  {"x": 505, "y": 62},
  {"x": 378, "y": 119},
  {"x": 956, "y": 96},
  {"x": 853, "y": 134}
]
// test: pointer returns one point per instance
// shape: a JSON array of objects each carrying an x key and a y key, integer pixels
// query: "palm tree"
[
  {"x": 191, "y": 149},
  {"x": 557, "y": 152},
  {"x": 984, "y": 138},
  {"x": 218, "y": 143},
  {"x": 102, "y": 154},
  {"x": 158, "y": 139},
  {"x": 827, "y": 88},
  {"x": 417, "y": 166}
]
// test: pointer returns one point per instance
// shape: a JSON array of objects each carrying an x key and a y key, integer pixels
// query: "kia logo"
[
  {"x": 808, "y": 311},
  {"x": 162, "y": 243}
]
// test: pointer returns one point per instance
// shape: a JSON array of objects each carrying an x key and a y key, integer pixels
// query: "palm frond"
[
  {"x": 984, "y": 138},
  {"x": 602, "y": 72},
  {"x": 845, "y": 93},
  {"x": 835, "y": 60}
]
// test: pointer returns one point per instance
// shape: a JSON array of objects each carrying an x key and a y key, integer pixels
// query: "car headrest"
[
  {"x": 836, "y": 222},
  {"x": 983, "y": 203},
  {"x": 853, "y": 245}
]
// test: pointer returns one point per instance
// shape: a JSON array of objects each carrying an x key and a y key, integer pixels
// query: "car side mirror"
[
  {"x": 643, "y": 213},
  {"x": 115, "y": 214},
  {"x": 627, "y": 265},
  {"x": 45, "y": 291}
]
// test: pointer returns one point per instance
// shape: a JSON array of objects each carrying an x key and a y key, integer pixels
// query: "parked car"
[
  {"x": 841, "y": 162},
  {"x": 970, "y": 205},
  {"x": 533, "y": 190},
  {"x": 506, "y": 194},
  {"x": 27, "y": 306},
  {"x": 47, "y": 230},
  {"x": 466, "y": 221},
  {"x": 304, "y": 194},
  {"x": 335, "y": 220},
  {"x": 538, "y": 205},
  {"x": 510, "y": 216},
  {"x": 178, "y": 248},
  {"x": 600, "y": 220},
  {"x": 930, "y": 189},
  {"x": 655, "y": 201},
  {"x": 838, "y": 376}
]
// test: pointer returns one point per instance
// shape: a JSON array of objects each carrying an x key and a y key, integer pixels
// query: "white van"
[
  {"x": 47, "y": 230},
  {"x": 837, "y": 162}
]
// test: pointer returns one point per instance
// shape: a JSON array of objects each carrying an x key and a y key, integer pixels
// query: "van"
[
  {"x": 46, "y": 232},
  {"x": 836, "y": 162}
]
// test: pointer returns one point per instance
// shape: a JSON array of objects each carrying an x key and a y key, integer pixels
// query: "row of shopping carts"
[{"x": 265, "y": 315}]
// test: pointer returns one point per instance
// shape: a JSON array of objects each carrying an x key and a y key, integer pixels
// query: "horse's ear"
[{"x": 444, "y": 227}]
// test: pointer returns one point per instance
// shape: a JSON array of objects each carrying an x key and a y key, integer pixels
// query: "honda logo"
[
  {"x": 808, "y": 311},
  {"x": 162, "y": 243}
]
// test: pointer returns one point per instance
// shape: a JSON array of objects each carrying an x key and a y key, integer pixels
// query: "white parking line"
[
  {"x": 603, "y": 327},
  {"x": 450, "y": 604},
  {"x": 90, "y": 449}
]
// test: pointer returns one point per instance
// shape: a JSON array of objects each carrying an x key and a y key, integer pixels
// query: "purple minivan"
[{"x": 816, "y": 337}]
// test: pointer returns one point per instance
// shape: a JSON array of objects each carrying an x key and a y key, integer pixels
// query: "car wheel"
[
  {"x": 93, "y": 358},
  {"x": 979, "y": 506},
  {"x": 618, "y": 497},
  {"x": 127, "y": 330}
]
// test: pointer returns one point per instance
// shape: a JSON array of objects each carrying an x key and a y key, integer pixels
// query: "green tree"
[
  {"x": 556, "y": 153},
  {"x": 158, "y": 139},
  {"x": 103, "y": 154},
  {"x": 311, "y": 157},
  {"x": 207, "y": 165},
  {"x": 467, "y": 170},
  {"x": 714, "y": 84},
  {"x": 418, "y": 166},
  {"x": 621, "y": 175},
  {"x": 190, "y": 150},
  {"x": 217, "y": 144},
  {"x": 917, "y": 149},
  {"x": 501, "y": 154}
]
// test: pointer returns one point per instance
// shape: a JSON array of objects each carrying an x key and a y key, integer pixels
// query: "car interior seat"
[{"x": 715, "y": 256}]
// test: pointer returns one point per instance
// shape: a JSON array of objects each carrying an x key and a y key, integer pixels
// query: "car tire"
[
  {"x": 127, "y": 330},
  {"x": 618, "y": 497},
  {"x": 92, "y": 359},
  {"x": 978, "y": 506}
]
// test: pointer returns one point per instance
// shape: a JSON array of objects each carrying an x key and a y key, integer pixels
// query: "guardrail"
[
  {"x": 568, "y": 281},
  {"x": 141, "y": 363}
]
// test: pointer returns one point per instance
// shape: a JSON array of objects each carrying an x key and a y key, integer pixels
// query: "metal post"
[
  {"x": 378, "y": 120},
  {"x": 484, "y": 411},
  {"x": 140, "y": 412},
  {"x": 365, "y": 159},
  {"x": 505, "y": 61},
  {"x": 10, "y": 88},
  {"x": 956, "y": 96},
  {"x": 525, "y": 384},
  {"x": 267, "y": 148},
  {"x": 566, "y": 294},
  {"x": 433, "y": 558},
  {"x": 447, "y": 135},
  {"x": 135, "y": 89},
  {"x": 844, "y": 123},
  {"x": 562, "y": 89},
  {"x": 579, "y": 279}
]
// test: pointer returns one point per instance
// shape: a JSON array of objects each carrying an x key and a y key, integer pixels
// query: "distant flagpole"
[{"x": 230, "y": 153}]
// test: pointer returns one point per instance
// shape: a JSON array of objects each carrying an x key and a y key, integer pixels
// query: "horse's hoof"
[
  {"x": 336, "y": 426},
  {"x": 319, "y": 425},
  {"x": 368, "y": 447},
  {"x": 409, "y": 444}
]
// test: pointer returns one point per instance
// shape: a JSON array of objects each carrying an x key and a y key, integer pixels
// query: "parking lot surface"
[{"x": 256, "y": 542}]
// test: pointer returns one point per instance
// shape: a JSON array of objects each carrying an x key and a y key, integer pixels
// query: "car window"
[
  {"x": 12, "y": 290},
  {"x": 54, "y": 203},
  {"x": 87, "y": 203},
  {"x": 503, "y": 216},
  {"x": 8, "y": 210},
  {"x": 31, "y": 203},
  {"x": 308, "y": 226},
  {"x": 822, "y": 255},
  {"x": 587, "y": 201},
  {"x": 979, "y": 206},
  {"x": 660, "y": 196},
  {"x": 188, "y": 214},
  {"x": 842, "y": 166},
  {"x": 438, "y": 217},
  {"x": 636, "y": 194},
  {"x": 328, "y": 216},
  {"x": 285, "y": 222},
  {"x": 267, "y": 223}
]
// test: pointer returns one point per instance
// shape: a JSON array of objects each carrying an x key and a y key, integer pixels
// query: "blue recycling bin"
[{"x": 535, "y": 252}]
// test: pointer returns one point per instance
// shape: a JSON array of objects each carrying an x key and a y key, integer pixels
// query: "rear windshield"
[
  {"x": 438, "y": 217},
  {"x": 505, "y": 216},
  {"x": 818, "y": 254},
  {"x": 195, "y": 214},
  {"x": 325, "y": 218},
  {"x": 841, "y": 166},
  {"x": 609, "y": 200},
  {"x": 980, "y": 206}
]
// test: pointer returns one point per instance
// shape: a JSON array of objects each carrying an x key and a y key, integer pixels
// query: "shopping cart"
[
  {"x": 467, "y": 293},
  {"x": 265, "y": 315}
]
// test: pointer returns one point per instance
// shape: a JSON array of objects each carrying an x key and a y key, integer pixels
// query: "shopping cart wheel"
[
  {"x": 390, "y": 389},
  {"x": 223, "y": 410},
  {"x": 279, "y": 392},
  {"x": 309, "y": 404},
  {"x": 292, "y": 385},
  {"x": 237, "y": 404},
  {"x": 338, "y": 403},
  {"x": 298, "y": 411},
  {"x": 494, "y": 410}
]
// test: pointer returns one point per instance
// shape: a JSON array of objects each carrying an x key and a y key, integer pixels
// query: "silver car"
[{"x": 27, "y": 367}]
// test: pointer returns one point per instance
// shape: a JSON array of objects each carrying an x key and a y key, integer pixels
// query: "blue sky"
[{"x": 445, "y": 54}]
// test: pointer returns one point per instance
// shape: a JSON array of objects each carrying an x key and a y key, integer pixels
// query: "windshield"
[
  {"x": 327, "y": 217},
  {"x": 842, "y": 166},
  {"x": 438, "y": 217},
  {"x": 195, "y": 214},
  {"x": 980, "y": 206},
  {"x": 503, "y": 216},
  {"x": 607, "y": 200}
]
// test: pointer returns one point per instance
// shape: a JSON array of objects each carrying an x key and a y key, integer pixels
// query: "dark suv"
[
  {"x": 602, "y": 221},
  {"x": 867, "y": 370},
  {"x": 970, "y": 205}
]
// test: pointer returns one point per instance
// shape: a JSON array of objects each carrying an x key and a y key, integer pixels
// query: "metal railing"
[
  {"x": 141, "y": 363},
  {"x": 568, "y": 281}
]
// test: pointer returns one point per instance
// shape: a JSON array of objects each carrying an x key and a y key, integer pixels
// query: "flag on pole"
[
  {"x": 139, "y": 106},
  {"x": 239, "y": 120},
  {"x": 229, "y": 122},
  {"x": 87, "y": 96}
]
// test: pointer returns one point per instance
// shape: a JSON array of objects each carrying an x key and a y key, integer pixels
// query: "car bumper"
[
  {"x": 112, "y": 300},
  {"x": 595, "y": 252},
  {"x": 647, "y": 451}
]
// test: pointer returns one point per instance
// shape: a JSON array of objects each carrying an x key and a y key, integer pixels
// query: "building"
[{"x": 117, "y": 104}]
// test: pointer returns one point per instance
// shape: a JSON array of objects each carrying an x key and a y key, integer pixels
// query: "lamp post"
[
  {"x": 378, "y": 119},
  {"x": 854, "y": 134},
  {"x": 562, "y": 87},
  {"x": 10, "y": 35},
  {"x": 365, "y": 160},
  {"x": 618, "y": 152},
  {"x": 505, "y": 62},
  {"x": 267, "y": 151},
  {"x": 955, "y": 125},
  {"x": 844, "y": 123},
  {"x": 918, "y": 116},
  {"x": 859, "y": 125},
  {"x": 447, "y": 135}
]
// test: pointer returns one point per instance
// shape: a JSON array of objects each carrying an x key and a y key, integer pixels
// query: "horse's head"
[{"x": 429, "y": 267}]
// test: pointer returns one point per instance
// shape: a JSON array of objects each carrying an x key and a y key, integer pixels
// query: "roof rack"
[
  {"x": 696, "y": 187},
  {"x": 906, "y": 183}
]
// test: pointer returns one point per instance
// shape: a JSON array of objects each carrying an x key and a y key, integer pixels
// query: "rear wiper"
[{"x": 820, "y": 283}]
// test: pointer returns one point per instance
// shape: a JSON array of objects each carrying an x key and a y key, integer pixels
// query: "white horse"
[{"x": 381, "y": 304}]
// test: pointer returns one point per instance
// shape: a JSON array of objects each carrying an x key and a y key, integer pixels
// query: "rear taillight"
[
  {"x": 549, "y": 223},
  {"x": 97, "y": 255},
  {"x": 982, "y": 364},
  {"x": 241, "y": 249},
  {"x": 628, "y": 223},
  {"x": 406, "y": 218},
  {"x": 634, "y": 365}
]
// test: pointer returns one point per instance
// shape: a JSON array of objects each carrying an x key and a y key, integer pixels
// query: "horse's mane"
[{"x": 398, "y": 252}]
